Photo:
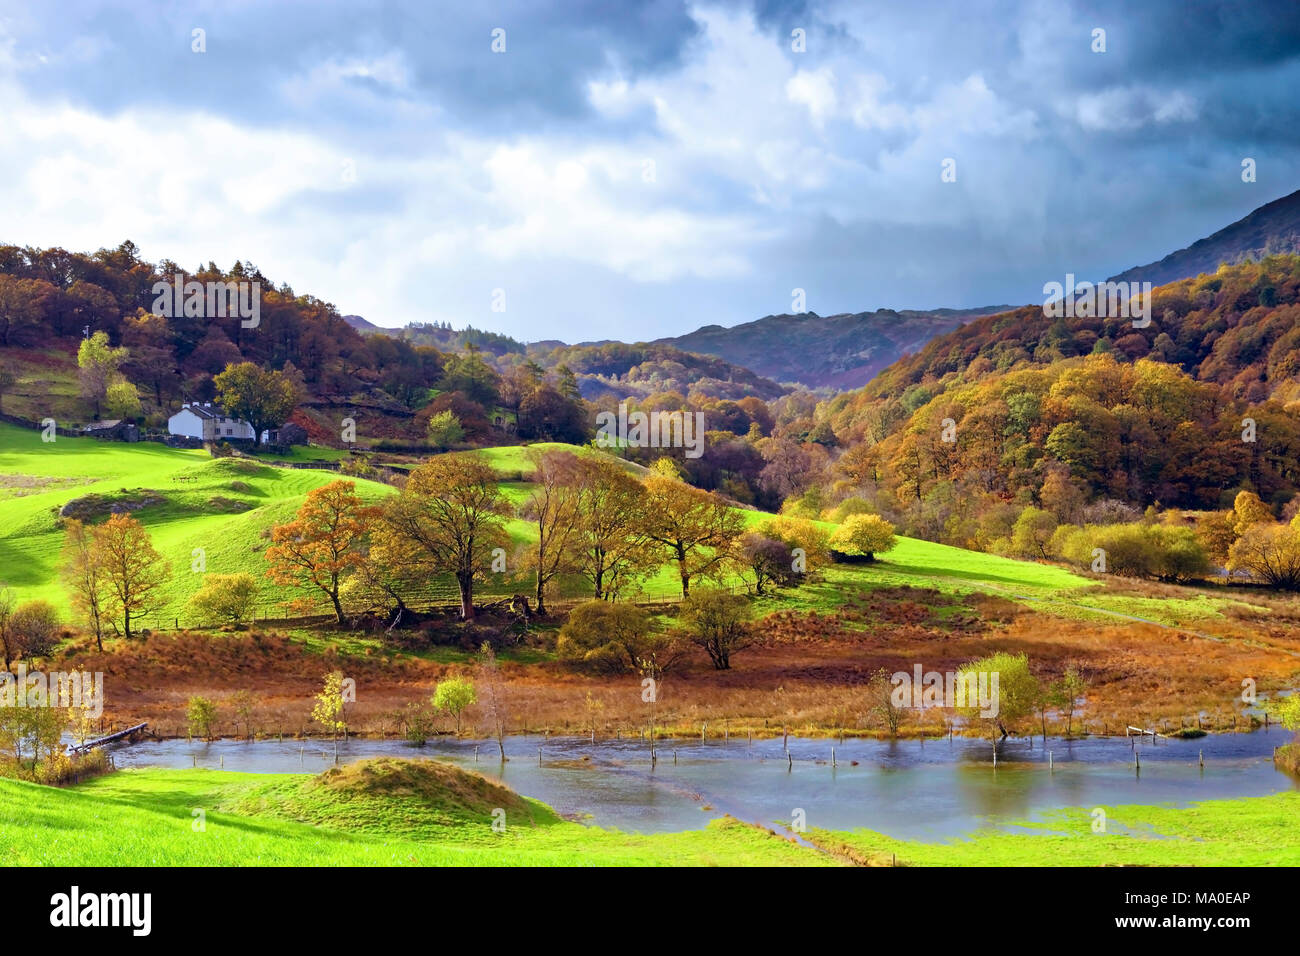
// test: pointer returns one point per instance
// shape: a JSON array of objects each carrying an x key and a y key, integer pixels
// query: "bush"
[
  {"x": 800, "y": 533},
  {"x": 1270, "y": 553},
  {"x": 201, "y": 715},
  {"x": 34, "y": 627},
  {"x": 616, "y": 638},
  {"x": 1032, "y": 533},
  {"x": 1140, "y": 550},
  {"x": 769, "y": 560},
  {"x": 719, "y": 623},
  {"x": 445, "y": 430},
  {"x": 225, "y": 598}
]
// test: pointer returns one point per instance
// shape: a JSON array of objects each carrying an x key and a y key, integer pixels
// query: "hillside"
[
  {"x": 839, "y": 351},
  {"x": 1238, "y": 326},
  {"x": 1272, "y": 228}
]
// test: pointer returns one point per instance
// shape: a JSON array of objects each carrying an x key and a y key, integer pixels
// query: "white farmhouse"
[{"x": 207, "y": 422}]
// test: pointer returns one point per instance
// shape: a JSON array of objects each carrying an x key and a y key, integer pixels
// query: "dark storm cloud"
[
  {"x": 111, "y": 56},
  {"x": 776, "y": 169}
]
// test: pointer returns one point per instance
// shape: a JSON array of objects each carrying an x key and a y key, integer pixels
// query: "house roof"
[
  {"x": 206, "y": 410},
  {"x": 98, "y": 426}
]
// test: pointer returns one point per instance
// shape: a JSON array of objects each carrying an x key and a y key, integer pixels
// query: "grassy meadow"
[{"x": 188, "y": 500}]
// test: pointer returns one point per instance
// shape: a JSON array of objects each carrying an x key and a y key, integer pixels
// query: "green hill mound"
[{"x": 420, "y": 799}]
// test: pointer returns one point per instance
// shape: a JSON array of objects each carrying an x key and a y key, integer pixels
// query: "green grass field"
[
  {"x": 224, "y": 507},
  {"x": 191, "y": 501},
  {"x": 1254, "y": 831}
]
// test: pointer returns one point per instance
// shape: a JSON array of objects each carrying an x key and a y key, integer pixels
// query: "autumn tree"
[
  {"x": 201, "y": 717},
  {"x": 1032, "y": 532},
  {"x": 552, "y": 509},
  {"x": 84, "y": 577},
  {"x": 451, "y": 516},
  {"x": 97, "y": 368},
  {"x": 768, "y": 559},
  {"x": 1271, "y": 553},
  {"x": 133, "y": 571},
  {"x": 864, "y": 536},
  {"x": 324, "y": 544},
  {"x": 609, "y": 547},
  {"x": 696, "y": 527},
  {"x": 881, "y": 702},
  {"x": 329, "y": 709},
  {"x": 1248, "y": 510},
  {"x": 1017, "y": 690},
  {"x": 444, "y": 430},
  {"x": 264, "y": 399}
]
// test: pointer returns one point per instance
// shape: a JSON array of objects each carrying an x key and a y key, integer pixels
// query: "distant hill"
[
  {"x": 1272, "y": 228},
  {"x": 842, "y": 351},
  {"x": 440, "y": 335},
  {"x": 617, "y": 370}
]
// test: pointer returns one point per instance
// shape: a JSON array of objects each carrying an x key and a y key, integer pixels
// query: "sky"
[{"x": 638, "y": 169}]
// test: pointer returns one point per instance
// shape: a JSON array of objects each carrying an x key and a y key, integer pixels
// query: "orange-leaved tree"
[
  {"x": 132, "y": 570},
  {"x": 324, "y": 543}
]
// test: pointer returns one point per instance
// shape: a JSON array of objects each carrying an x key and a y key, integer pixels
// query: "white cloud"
[
  {"x": 1123, "y": 108},
  {"x": 815, "y": 90}
]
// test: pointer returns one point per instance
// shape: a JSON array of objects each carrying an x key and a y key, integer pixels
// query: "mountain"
[
  {"x": 1272, "y": 228},
  {"x": 364, "y": 326},
  {"x": 841, "y": 351},
  {"x": 618, "y": 370}
]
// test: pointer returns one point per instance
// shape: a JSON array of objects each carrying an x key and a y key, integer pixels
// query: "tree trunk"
[
  {"x": 466, "y": 585},
  {"x": 126, "y": 623},
  {"x": 541, "y": 594},
  {"x": 338, "y": 608}
]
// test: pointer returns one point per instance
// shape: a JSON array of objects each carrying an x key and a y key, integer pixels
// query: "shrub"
[
  {"x": 201, "y": 715},
  {"x": 800, "y": 533},
  {"x": 1269, "y": 552},
  {"x": 445, "y": 430},
  {"x": 616, "y": 638},
  {"x": 33, "y": 628},
  {"x": 454, "y": 695},
  {"x": 225, "y": 598},
  {"x": 719, "y": 623},
  {"x": 1032, "y": 533},
  {"x": 1140, "y": 550},
  {"x": 769, "y": 560}
]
